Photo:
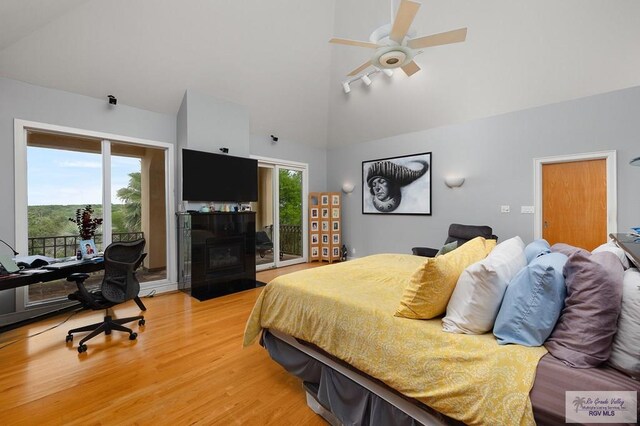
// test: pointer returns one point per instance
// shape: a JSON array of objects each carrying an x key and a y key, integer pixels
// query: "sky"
[{"x": 68, "y": 177}]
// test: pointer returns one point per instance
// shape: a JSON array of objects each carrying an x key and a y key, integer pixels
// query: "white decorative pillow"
[
  {"x": 613, "y": 248},
  {"x": 476, "y": 300},
  {"x": 625, "y": 351}
]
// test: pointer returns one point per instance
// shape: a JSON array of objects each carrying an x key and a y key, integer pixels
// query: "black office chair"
[
  {"x": 459, "y": 233},
  {"x": 119, "y": 285},
  {"x": 264, "y": 244}
]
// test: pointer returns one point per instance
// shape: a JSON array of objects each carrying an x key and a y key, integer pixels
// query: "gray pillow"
[
  {"x": 447, "y": 248},
  {"x": 584, "y": 333}
]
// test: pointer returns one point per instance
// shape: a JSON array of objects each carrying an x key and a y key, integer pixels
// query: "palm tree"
[
  {"x": 578, "y": 402},
  {"x": 131, "y": 196}
]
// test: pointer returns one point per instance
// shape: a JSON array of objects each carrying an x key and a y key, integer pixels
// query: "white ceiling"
[{"x": 273, "y": 57}]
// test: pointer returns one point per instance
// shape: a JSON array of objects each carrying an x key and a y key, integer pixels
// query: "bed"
[{"x": 334, "y": 327}]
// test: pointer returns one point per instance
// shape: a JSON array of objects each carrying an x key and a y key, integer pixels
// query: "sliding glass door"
[
  {"x": 280, "y": 214},
  {"x": 67, "y": 174}
]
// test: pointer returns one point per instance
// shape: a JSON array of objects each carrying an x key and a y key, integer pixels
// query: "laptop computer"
[{"x": 8, "y": 264}]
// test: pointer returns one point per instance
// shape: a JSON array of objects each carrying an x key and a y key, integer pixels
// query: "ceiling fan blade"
[
  {"x": 454, "y": 36},
  {"x": 411, "y": 68},
  {"x": 404, "y": 18},
  {"x": 360, "y": 69},
  {"x": 354, "y": 43}
]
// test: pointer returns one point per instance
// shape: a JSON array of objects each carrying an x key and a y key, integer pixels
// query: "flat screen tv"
[{"x": 215, "y": 177}]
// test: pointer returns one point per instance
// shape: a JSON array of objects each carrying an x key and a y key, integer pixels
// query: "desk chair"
[{"x": 118, "y": 286}]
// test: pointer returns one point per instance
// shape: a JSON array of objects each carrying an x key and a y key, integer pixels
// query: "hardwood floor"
[{"x": 186, "y": 367}]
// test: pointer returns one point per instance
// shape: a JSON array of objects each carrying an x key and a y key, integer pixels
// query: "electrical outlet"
[
  {"x": 505, "y": 209},
  {"x": 526, "y": 209},
  {"x": 353, "y": 251}
]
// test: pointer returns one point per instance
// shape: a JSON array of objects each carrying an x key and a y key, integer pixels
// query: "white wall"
[{"x": 496, "y": 157}]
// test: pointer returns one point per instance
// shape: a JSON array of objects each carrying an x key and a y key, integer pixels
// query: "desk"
[
  {"x": 18, "y": 280},
  {"x": 630, "y": 244}
]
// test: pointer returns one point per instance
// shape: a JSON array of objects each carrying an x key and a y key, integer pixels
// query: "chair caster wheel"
[
  {"x": 141, "y": 322},
  {"x": 69, "y": 338},
  {"x": 82, "y": 348},
  {"x": 133, "y": 336}
]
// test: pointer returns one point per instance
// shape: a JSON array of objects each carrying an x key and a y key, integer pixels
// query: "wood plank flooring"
[{"x": 186, "y": 367}]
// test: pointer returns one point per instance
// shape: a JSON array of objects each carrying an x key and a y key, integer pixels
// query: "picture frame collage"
[{"x": 324, "y": 226}]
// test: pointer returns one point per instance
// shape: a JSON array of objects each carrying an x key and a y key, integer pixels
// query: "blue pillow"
[
  {"x": 536, "y": 248},
  {"x": 533, "y": 302}
]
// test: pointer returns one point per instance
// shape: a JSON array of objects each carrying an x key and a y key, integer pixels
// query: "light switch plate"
[{"x": 526, "y": 209}]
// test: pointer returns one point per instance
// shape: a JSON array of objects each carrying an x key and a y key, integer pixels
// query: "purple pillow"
[
  {"x": 584, "y": 333},
  {"x": 566, "y": 249}
]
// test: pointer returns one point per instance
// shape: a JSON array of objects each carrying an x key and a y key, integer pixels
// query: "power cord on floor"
[
  {"x": 151, "y": 294},
  {"x": 40, "y": 332}
]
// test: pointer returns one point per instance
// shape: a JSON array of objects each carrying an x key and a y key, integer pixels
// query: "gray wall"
[
  {"x": 496, "y": 157},
  {"x": 34, "y": 103},
  {"x": 261, "y": 145}
]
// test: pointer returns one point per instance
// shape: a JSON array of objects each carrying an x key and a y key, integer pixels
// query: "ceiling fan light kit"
[{"x": 395, "y": 45}]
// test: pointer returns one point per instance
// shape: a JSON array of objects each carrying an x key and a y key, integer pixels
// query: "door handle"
[{"x": 546, "y": 224}]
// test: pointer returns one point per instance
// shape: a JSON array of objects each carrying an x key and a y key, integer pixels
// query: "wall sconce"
[
  {"x": 453, "y": 181},
  {"x": 348, "y": 187},
  {"x": 635, "y": 162}
]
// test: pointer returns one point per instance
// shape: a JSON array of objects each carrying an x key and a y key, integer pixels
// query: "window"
[{"x": 59, "y": 173}]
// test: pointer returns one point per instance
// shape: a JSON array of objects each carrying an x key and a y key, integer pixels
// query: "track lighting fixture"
[
  {"x": 346, "y": 85},
  {"x": 274, "y": 139},
  {"x": 112, "y": 100}
]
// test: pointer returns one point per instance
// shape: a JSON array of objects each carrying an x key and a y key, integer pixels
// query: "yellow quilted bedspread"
[{"x": 347, "y": 310}]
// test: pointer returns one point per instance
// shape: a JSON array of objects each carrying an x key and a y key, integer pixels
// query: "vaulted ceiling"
[{"x": 273, "y": 57}]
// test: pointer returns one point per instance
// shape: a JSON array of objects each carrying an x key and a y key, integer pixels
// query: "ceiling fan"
[{"x": 394, "y": 44}]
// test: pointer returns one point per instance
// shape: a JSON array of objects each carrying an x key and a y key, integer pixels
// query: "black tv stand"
[{"x": 216, "y": 253}]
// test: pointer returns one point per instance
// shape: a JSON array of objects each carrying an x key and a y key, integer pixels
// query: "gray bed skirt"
[{"x": 341, "y": 400}]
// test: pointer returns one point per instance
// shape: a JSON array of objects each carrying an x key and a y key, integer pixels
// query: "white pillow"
[
  {"x": 476, "y": 300},
  {"x": 613, "y": 248},
  {"x": 625, "y": 351}
]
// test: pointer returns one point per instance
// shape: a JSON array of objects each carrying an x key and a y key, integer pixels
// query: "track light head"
[
  {"x": 224, "y": 150},
  {"x": 346, "y": 87},
  {"x": 387, "y": 72},
  {"x": 366, "y": 80},
  {"x": 274, "y": 139},
  {"x": 112, "y": 100}
]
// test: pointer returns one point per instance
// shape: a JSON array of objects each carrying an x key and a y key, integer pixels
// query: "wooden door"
[{"x": 574, "y": 203}]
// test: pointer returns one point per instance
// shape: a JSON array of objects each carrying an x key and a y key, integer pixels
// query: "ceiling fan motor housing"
[{"x": 392, "y": 57}]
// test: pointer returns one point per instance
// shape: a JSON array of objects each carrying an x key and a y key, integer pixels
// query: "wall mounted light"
[
  {"x": 274, "y": 139},
  {"x": 366, "y": 80},
  {"x": 348, "y": 187},
  {"x": 635, "y": 162},
  {"x": 346, "y": 87},
  {"x": 453, "y": 181}
]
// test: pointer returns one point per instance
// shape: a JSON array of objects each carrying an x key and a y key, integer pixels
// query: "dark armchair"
[
  {"x": 119, "y": 285},
  {"x": 459, "y": 233}
]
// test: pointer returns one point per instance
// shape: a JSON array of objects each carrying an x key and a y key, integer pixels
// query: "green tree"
[
  {"x": 131, "y": 196},
  {"x": 290, "y": 197}
]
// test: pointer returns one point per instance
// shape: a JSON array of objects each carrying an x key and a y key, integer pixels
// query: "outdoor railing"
[
  {"x": 67, "y": 245},
  {"x": 291, "y": 239}
]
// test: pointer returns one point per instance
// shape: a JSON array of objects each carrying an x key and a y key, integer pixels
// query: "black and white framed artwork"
[{"x": 397, "y": 185}]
